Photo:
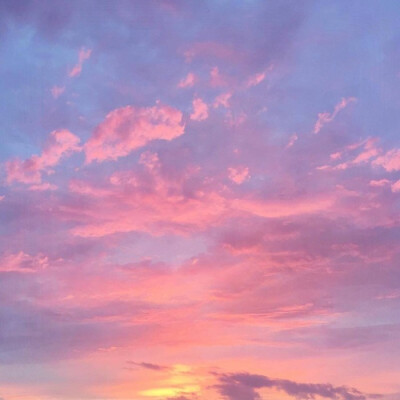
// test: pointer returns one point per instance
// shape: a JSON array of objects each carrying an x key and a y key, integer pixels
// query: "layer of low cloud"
[{"x": 244, "y": 386}]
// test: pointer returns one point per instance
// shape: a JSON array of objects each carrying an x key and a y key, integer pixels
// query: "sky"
[{"x": 199, "y": 200}]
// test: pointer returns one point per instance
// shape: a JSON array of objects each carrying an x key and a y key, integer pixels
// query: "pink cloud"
[
  {"x": 256, "y": 79},
  {"x": 42, "y": 187},
  {"x": 278, "y": 209},
  {"x": 187, "y": 82},
  {"x": 216, "y": 78},
  {"x": 27, "y": 171},
  {"x": 147, "y": 201},
  {"x": 83, "y": 188},
  {"x": 238, "y": 175},
  {"x": 235, "y": 119},
  {"x": 370, "y": 151},
  {"x": 390, "y": 161},
  {"x": 211, "y": 49},
  {"x": 336, "y": 156},
  {"x": 144, "y": 200},
  {"x": 128, "y": 128},
  {"x": 150, "y": 160},
  {"x": 396, "y": 187},
  {"x": 200, "y": 110},
  {"x": 22, "y": 262},
  {"x": 367, "y": 153},
  {"x": 84, "y": 54},
  {"x": 222, "y": 100},
  {"x": 395, "y": 294},
  {"x": 57, "y": 91},
  {"x": 157, "y": 214},
  {"x": 379, "y": 183},
  {"x": 60, "y": 144},
  {"x": 326, "y": 117},
  {"x": 292, "y": 140}
]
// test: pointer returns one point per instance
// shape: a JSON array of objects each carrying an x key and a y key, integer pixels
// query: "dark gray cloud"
[
  {"x": 154, "y": 367},
  {"x": 243, "y": 386}
]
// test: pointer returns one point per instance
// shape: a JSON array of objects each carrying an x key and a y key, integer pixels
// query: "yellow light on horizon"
[
  {"x": 182, "y": 368},
  {"x": 169, "y": 391}
]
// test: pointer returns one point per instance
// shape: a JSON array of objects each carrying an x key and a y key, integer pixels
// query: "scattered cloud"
[
  {"x": 188, "y": 81},
  {"x": 238, "y": 175},
  {"x": 242, "y": 241},
  {"x": 222, "y": 100},
  {"x": 200, "y": 110},
  {"x": 369, "y": 151},
  {"x": 396, "y": 187},
  {"x": 84, "y": 54},
  {"x": 379, "y": 183},
  {"x": 292, "y": 140},
  {"x": 57, "y": 91},
  {"x": 22, "y": 262},
  {"x": 42, "y": 187},
  {"x": 60, "y": 144},
  {"x": 389, "y": 161},
  {"x": 216, "y": 78},
  {"x": 326, "y": 117},
  {"x": 129, "y": 128}
]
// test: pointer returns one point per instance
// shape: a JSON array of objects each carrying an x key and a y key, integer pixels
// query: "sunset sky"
[{"x": 200, "y": 200}]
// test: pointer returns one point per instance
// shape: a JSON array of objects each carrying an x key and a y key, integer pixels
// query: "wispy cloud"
[
  {"x": 84, "y": 54},
  {"x": 326, "y": 117}
]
